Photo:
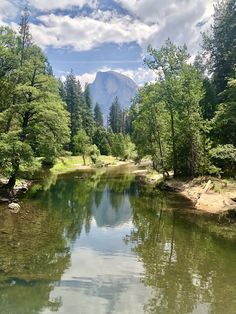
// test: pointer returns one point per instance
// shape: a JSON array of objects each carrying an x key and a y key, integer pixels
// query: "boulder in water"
[{"x": 14, "y": 208}]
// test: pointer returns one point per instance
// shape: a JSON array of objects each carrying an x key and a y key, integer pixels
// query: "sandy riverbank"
[{"x": 208, "y": 194}]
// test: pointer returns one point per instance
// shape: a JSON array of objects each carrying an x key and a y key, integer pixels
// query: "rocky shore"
[{"x": 208, "y": 194}]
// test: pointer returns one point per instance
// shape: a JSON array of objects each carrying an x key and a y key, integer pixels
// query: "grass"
[{"x": 72, "y": 163}]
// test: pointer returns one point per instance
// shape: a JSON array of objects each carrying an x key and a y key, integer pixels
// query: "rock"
[
  {"x": 228, "y": 215},
  {"x": 4, "y": 200},
  {"x": 14, "y": 208}
]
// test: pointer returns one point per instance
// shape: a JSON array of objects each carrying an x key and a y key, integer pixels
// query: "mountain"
[{"x": 108, "y": 85}]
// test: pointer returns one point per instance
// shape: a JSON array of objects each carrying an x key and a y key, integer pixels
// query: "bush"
[{"x": 224, "y": 157}]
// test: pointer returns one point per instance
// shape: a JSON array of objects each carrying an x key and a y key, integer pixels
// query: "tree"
[
  {"x": 224, "y": 121},
  {"x": 167, "y": 122},
  {"x": 115, "y": 116},
  {"x": 75, "y": 103},
  {"x": 25, "y": 39},
  {"x": 151, "y": 127},
  {"x": 101, "y": 140},
  {"x": 189, "y": 122},
  {"x": 81, "y": 144},
  {"x": 170, "y": 63},
  {"x": 30, "y": 113},
  {"x": 98, "y": 117},
  {"x": 219, "y": 44},
  {"x": 88, "y": 119}
]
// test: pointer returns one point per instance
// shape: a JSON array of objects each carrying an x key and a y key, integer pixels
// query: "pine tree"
[
  {"x": 98, "y": 117},
  {"x": 115, "y": 116},
  {"x": 75, "y": 103},
  {"x": 88, "y": 119}
]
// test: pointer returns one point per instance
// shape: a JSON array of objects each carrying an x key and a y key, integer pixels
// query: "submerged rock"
[
  {"x": 228, "y": 215},
  {"x": 4, "y": 200},
  {"x": 14, "y": 208}
]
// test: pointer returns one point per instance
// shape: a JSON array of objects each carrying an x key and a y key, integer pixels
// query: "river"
[{"x": 101, "y": 243}]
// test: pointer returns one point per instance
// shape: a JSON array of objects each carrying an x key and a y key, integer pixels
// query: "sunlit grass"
[{"x": 71, "y": 163}]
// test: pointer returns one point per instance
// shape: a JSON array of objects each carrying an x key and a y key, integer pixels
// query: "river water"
[{"x": 101, "y": 243}]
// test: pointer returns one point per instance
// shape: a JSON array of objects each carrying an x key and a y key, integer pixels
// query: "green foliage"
[
  {"x": 209, "y": 101},
  {"x": 220, "y": 43},
  {"x": 122, "y": 146},
  {"x": 94, "y": 153},
  {"x": 115, "y": 116},
  {"x": 13, "y": 153},
  {"x": 167, "y": 121},
  {"x": 224, "y": 122},
  {"x": 224, "y": 157},
  {"x": 168, "y": 60},
  {"x": 98, "y": 117},
  {"x": 30, "y": 106},
  {"x": 150, "y": 125},
  {"x": 102, "y": 141},
  {"x": 81, "y": 143},
  {"x": 73, "y": 97},
  {"x": 87, "y": 117}
]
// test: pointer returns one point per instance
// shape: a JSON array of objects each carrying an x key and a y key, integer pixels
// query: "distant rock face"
[{"x": 108, "y": 85}]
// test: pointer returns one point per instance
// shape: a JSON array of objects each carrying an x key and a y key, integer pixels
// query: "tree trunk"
[
  {"x": 84, "y": 160},
  {"x": 11, "y": 182},
  {"x": 173, "y": 142}
]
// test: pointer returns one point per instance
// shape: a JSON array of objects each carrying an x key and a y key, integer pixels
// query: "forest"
[{"x": 185, "y": 121}]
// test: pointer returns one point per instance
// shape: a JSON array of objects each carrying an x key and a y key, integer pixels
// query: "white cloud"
[
  {"x": 148, "y": 21},
  {"x": 86, "y": 78},
  {"x": 177, "y": 19},
  {"x": 7, "y": 11},
  {"x": 47, "y": 5},
  {"x": 139, "y": 75},
  {"x": 85, "y": 32}
]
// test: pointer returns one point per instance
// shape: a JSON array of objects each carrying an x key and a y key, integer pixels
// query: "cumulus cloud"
[
  {"x": 147, "y": 21},
  {"x": 87, "y": 32},
  {"x": 46, "y": 5},
  {"x": 7, "y": 11},
  {"x": 177, "y": 19}
]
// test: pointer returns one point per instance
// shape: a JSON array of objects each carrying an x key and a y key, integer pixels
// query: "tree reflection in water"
[
  {"x": 186, "y": 266},
  {"x": 33, "y": 256},
  {"x": 188, "y": 269}
]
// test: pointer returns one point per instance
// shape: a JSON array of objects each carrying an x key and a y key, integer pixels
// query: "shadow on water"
[{"x": 112, "y": 246}]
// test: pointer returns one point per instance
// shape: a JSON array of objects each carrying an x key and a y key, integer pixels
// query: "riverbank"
[
  {"x": 73, "y": 163},
  {"x": 62, "y": 165},
  {"x": 208, "y": 194}
]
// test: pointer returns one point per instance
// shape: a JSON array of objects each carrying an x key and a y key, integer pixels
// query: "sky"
[{"x": 100, "y": 35}]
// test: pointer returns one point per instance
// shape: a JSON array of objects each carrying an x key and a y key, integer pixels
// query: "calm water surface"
[{"x": 99, "y": 243}]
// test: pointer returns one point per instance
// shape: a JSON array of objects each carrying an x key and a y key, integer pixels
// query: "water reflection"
[
  {"x": 189, "y": 270},
  {"x": 33, "y": 254},
  {"x": 100, "y": 243}
]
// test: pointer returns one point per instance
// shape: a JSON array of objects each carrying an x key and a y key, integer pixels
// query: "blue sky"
[{"x": 92, "y": 35}]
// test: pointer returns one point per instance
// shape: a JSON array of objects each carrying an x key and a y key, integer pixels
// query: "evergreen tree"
[
  {"x": 75, "y": 103},
  {"x": 88, "y": 119},
  {"x": 98, "y": 117},
  {"x": 220, "y": 42},
  {"x": 115, "y": 116}
]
